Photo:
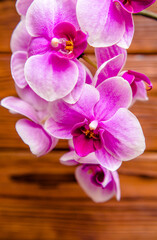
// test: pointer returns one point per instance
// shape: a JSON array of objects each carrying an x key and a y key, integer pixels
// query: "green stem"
[
  {"x": 147, "y": 14},
  {"x": 86, "y": 59}
]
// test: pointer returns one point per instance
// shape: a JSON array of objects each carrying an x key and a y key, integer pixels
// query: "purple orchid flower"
[
  {"x": 110, "y": 21},
  {"x": 45, "y": 46},
  {"x": 99, "y": 183},
  {"x": 100, "y": 122},
  {"x": 136, "y": 81},
  {"x": 111, "y": 61},
  {"x": 32, "y": 132}
]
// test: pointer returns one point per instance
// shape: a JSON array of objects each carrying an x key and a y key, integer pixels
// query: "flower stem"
[
  {"x": 88, "y": 60},
  {"x": 147, "y": 14}
]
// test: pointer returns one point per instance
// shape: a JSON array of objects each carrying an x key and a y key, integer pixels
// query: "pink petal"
[
  {"x": 123, "y": 137},
  {"x": 89, "y": 76},
  {"x": 68, "y": 158},
  {"x": 107, "y": 160},
  {"x": 85, "y": 105},
  {"x": 34, "y": 135},
  {"x": 115, "y": 93},
  {"x": 141, "y": 92},
  {"x": 51, "y": 77},
  {"x": 106, "y": 25},
  {"x": 74, "y": 96},
  {"x": 58, "y": 130},
  {"x": 19, "y": 106},
  {"x": 20, "y": 38},
  {"x": 63, "y": 120},
  {"x": 39, "y": 45},
  {"x": 83, "y": 146},
  {"x": 18, "y": 61},
  {"x": 105, "y": 54},
  {"x": 109, "y": 69},
  {"x": 42, "y": 16},
  {"x": 89, "y": 159},
  {"x": 32, "y": 98},
  {"x": 22, "y": 6},
  {"x": 129, "y": 30},
  {"x": 141, "y": 77},
  {"x": 117, "y": 185}
]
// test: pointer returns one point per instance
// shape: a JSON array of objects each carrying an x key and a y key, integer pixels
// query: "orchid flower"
[
  {"x": 110, "y": 63},
  {"x": 31, "y": 131},
  {"x": 110, "y": 21},
  {"x": 45, "y": 45},
  {"x": 99, "y": 183},
  {"x": 100, "y": 122}
]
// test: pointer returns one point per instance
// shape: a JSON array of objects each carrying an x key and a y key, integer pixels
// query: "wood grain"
[{"x": 40, "y": 198}]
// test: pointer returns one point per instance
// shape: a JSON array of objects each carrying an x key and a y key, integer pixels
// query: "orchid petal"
[
  {"x": 20, "y": 38},
  {"x": 123, "y": 137},
  {"x": 141, "y": 92},
  {"x": 74, "y": 96},
  {"x": 22, "y": 6},
  {"x": 38, "y": 45},
  {"x": 129, "y": 30},
  {"x": 29, "y": 96},
  {"x": 83, "y": 146},
  {"x": 19, "y": 106},
  {"x": 117, "y": 184},
  {"x": 109, "y": 69},
  {"x": 68, "y": 159},
  {"x": 18, "y": 61},
  {"x": 106, "y": 25},
  {"x": 43, "y": 16},
  {"x": 58, "y": 130},
  {"x": 85, "y": 105},
  {"x": 107, "y": 160},
  {"x": 34, "y": 135},
  {"x": 105, "y": 54},
  {"x": 113, "y": 90},
  {"x": 51, "y": 77}
]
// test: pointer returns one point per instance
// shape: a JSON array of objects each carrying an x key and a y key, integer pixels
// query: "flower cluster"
[{"x": 62, "y": 100}]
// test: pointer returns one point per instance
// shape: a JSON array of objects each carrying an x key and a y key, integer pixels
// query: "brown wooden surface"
[{"x": 39, "y": 197}]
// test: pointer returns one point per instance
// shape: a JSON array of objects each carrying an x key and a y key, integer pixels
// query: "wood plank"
[
  {"x": 146, "y": 112},
  {"x": 144, "y": 39},
  {"x": 39, "y": 199}
]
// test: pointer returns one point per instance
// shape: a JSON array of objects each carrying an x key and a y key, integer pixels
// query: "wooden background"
[{"x": 39, "y": 197}]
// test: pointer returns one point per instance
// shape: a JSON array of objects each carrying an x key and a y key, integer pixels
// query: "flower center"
[
  {"x": 69, "y": 46},
  {"x": 62, "y": 45},
  {"x": 89, "y": 133},
  {"x": 125, "y": 2}
]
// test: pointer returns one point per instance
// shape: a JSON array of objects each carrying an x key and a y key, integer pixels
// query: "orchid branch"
[
  {"x": 88, "y": 60},
  {"x": 147, "y": 14}
]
